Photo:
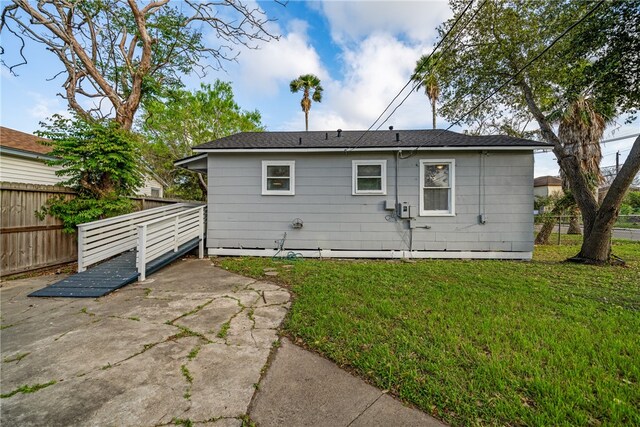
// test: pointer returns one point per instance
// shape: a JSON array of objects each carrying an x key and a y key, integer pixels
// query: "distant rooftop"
[
  {"x": 372, "y": 139},
  {"x": 546, "y": 181},
  {"x": 22, "y": 141}
]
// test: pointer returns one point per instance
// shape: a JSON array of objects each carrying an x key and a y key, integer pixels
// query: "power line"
[
  {"x": 413, "y": 74},
  {"x": 417, "y": 84},
  {"x": 617, "y": 151},
  {"x": 535, "y": 58},
  {"x": 620, "y": 138}
]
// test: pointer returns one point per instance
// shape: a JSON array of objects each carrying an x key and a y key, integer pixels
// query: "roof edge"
[
  {"x": 25, "y": 153},
  {"x": 367, "y": 149}
]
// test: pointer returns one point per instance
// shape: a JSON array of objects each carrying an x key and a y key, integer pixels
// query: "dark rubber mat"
[{"x": 110, "y": 275}]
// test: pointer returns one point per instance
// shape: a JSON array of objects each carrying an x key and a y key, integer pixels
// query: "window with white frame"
[
  {"x": 369, "y": 177},
  {"x": 437, "y": 187},
  {"x": 278, "y": 177}
]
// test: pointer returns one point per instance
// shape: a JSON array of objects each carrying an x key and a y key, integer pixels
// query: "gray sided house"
[{"x": 381, "y": 194}]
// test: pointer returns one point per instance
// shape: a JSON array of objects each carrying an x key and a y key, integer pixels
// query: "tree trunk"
[
  {"x": 433, "y": 112},
  {"x": 574, "y": 224},
  {"x": 545, "y": 232},
  {"x": 124, "y": 119},
  {"x": 598, "y": 221},
  {"x": 203, "y": 185},
  {"x": 596, "y": 248},
  {"x": 306, "y": 120}
]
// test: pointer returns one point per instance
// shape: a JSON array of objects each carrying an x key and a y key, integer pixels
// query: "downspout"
[
  {"x": 398, "y": 153},
  {"x": 397, "y": 196}
]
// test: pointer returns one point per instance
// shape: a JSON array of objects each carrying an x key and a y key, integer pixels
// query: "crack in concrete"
[
  {"x": 194, "y": 311},
  {"x": 252, "y": 302},
  {"x": 39, "y": 314},
  {"x": 365, "y": 409},
  {"x": 179, "y": 421}
]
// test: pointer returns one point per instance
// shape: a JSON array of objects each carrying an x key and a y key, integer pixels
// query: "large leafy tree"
[
  {"x": 426, "y": 78},
  {"x": 183, "y": 119},
  {"x": 307, "y": 83},
  {"x": 588, "y": 77},
  {"x": 117, "y": 53},
  {"x": 99, "y": 160}
]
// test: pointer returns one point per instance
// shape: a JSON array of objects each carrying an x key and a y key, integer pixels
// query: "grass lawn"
[{"x": 479, "y": 342}]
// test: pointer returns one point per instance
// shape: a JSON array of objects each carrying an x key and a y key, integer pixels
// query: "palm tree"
[
  {"x": 307, "y": 83},
  {"x": 424, "y": 74},
  {"x": 580, "y": 130}
]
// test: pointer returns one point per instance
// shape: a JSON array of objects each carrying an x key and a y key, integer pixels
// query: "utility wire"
[
  {"x": 418, "y": 83},
  {"x": 531, "y": 61},
  {"x": 617, "y": 151},
  {"x": 412, "y": 75}
]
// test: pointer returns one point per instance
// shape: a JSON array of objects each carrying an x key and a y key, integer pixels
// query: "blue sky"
[{"x": 363, "y": 51}]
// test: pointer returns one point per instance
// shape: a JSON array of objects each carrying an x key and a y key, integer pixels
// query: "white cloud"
[
  {"x": 354, "y": 20},
  {"x": 381, "y": 42},
  {"x": 374, "y": 72},
  {"x": 270, "y": 68},
  {"x": 45, "y": 106}
]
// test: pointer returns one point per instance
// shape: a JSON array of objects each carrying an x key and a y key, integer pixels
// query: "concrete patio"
[{"x": 190, "y": 343}]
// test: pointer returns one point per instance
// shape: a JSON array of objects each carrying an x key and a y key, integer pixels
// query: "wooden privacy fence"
[{"x": 26, "y": 243}]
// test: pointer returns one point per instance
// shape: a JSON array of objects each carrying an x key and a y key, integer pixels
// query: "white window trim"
[
  {"x": 452, "y": 184},
  {"x": 354, "y": 179},
  {"x": 292, "y": 177}
]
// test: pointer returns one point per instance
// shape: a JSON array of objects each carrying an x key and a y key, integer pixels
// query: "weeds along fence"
[{"x": 28, "y": 244}]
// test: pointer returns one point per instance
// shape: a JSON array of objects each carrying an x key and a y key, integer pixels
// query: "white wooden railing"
[
  {"x": 162, "y": 235},
  {"x": 102, "y": 239}
]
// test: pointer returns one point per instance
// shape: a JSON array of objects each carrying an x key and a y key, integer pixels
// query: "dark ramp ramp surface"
[{"x": 109, "y": 276}]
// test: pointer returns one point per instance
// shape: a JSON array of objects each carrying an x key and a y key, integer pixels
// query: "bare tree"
[{"x": 123, "y": 51}]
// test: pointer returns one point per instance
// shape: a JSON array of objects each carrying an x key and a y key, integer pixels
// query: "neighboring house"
[
  {"x": 335, "y": 194},
  {"x": 153, "y": 187},
  {"x": 545, "y": 186},
  {"x": 23, "y": 157}
]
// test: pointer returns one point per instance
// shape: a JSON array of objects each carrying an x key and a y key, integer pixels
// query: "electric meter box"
[{"x": 405, "y": 210}]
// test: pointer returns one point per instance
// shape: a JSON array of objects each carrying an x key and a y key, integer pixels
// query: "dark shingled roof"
[{"x": 372, "y": 139}]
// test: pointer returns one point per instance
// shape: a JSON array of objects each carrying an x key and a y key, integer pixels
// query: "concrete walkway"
[
  {"x": 303, "y": 389},
  {"x": 188, "y": 344}
]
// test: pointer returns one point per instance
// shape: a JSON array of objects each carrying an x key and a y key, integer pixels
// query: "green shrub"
[{"x": 99, "y": 160}]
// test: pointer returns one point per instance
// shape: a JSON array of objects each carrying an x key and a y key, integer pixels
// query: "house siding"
[
  {"x": 149, "y": 184},
  {"x": 28, "y": 171},
  {"x": 239, "y": 216}
]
